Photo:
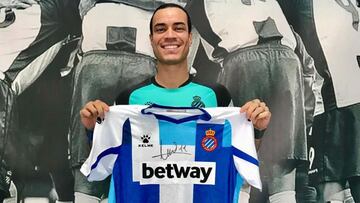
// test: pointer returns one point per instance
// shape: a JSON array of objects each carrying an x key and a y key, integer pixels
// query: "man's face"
[{"x": 171, "y": 38}]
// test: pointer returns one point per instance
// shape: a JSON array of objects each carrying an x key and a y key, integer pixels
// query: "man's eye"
[
  {"x": 159, "y": 29},
  {"x": 179, "y": 28}
]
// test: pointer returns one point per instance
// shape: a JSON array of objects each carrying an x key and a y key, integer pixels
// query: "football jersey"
[
  {"x": 191, "y": 93},
  {"x": 173, "y": 154}
]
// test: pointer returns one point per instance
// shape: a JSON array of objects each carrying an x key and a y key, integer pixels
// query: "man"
[
  {"x": 171, "y": 37},
  {"x": 259, "y": 45},
  {"x": 33, "y": 34},
  {"x": 116, "y": 54},
  {"x": 334, "y": 144}
]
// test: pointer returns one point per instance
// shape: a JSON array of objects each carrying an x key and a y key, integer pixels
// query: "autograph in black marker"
[{"x": 177, "y": 149}]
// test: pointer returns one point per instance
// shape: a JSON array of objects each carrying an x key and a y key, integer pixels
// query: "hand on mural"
[
  {"x": 17, "y": 4},
  {"x": 91, "y": 112},
  {"x": 258, "y": 113}
]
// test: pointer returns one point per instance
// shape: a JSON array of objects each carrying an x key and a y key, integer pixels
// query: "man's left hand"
[{"x": 258, "y": 113}]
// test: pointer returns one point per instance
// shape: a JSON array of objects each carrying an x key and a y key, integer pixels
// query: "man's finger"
[
  {"x": 256, "y": 113},
  {"x": 265, "y": 114},
  {"x": 257, "y": 101},
  {"x": 247, "y": 105},
  {"x": 251, "y": 109},
  {"x": 262, "y": 104},
  {"x": 85, "y": 113},
  {"x": 100, "y": 110},
  {"x": 91, "y": 108},
  {"x": 244, "y": 107}
]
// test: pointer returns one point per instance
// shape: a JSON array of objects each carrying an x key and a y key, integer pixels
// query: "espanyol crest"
[{"x": 209, "y": 142}]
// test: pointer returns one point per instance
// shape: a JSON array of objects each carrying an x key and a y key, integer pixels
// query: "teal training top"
[{"x": 190, "y": 94}]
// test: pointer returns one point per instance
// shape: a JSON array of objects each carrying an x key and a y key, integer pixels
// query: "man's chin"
[{"x": 171, "y": 61}]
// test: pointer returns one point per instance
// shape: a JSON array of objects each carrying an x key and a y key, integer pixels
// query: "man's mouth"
[{"x": 171, "y": 46}]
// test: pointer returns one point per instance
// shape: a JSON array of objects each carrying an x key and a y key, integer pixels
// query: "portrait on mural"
[{"x": 299, "y": 60}]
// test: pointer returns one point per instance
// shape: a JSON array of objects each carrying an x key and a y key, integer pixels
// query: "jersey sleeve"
[
  {"x": 107, "y": 140},
  {"x": 244, "y": 151}
]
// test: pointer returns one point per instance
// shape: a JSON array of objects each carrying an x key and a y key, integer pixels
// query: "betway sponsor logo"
[{"x": 180, "y": 172}]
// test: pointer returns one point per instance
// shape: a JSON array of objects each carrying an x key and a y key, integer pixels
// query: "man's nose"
[{"x": 170, "y": 33}]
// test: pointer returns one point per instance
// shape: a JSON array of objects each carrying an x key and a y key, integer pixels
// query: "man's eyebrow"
[
  {"x": 179, "y": 23},
  {"x": 163, "y": 24},
  {"x": 159, "y": 24}
]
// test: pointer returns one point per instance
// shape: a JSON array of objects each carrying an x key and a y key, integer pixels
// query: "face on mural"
[{"x": 170, "y": 38}]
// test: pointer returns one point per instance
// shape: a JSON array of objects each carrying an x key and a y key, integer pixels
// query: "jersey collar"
[{"x": 153, "y": 81}]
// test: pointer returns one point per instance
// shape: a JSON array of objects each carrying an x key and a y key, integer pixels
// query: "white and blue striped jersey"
[{"x": 173, "y": 154}]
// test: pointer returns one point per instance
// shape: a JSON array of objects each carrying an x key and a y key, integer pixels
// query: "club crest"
[{"x": 209, "y": 142}]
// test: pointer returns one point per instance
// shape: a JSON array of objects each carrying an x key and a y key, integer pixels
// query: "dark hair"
[{"x": 170, "y": 5}]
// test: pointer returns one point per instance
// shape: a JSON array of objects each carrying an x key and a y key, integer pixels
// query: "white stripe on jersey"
[{"x": 174, "y": 193}]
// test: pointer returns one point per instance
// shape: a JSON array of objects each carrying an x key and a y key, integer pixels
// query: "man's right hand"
[{"x": 92, "y": 111}]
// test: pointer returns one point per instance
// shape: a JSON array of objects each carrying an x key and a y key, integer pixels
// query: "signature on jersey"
[{"x": 168, "y": 150}]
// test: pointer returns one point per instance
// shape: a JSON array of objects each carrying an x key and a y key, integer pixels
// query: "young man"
[
  {"x": 334, "y": 144},
  {"x": 170, "y": 36},
  {"x": 116, "y": 54},
  {"x": 34, "y": 34},
  {"x": 259, "y": 45}
]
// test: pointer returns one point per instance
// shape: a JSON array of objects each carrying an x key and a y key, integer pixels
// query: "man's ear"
[{"x": 151, "y": 38}]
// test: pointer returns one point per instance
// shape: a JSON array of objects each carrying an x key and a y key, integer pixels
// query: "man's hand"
[
  {"x": 258, "y": 113},
  {"x": 16, "y": 4},
  {"x": 92, "y": 111}
]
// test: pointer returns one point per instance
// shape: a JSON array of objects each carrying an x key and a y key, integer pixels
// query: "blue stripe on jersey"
[
  {"x": 111, "y": 196},
  {"x": 179, "y": 134},
  {"x": 225, "y": 169},
  {"x": 239, "y": 183},
  {"x": 112, "y": 150},
  {"x": 125, "y": 188},
  {"x": 226, "y": 141},
  {"x": 245, "y": 156}
]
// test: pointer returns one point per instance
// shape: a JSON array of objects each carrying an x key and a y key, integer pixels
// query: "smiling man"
[{"x": 171, "y": 37}]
